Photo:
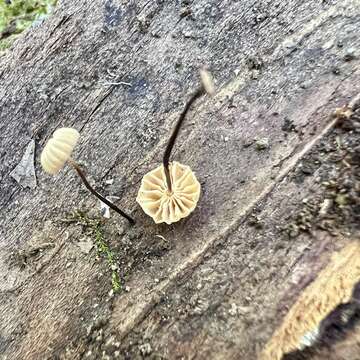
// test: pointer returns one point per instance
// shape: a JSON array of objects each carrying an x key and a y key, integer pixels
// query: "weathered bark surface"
[{"x": 211, "y": 286}]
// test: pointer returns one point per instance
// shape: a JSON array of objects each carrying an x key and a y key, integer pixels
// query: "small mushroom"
[
  {"x": 207, "y": 82},
  {"x": 165, "y": 206},
  {"x": 171, "y": 191},
  {"x": 58, "y": 151}
]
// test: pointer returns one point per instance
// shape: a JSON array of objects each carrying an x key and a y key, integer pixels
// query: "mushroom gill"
[{"x": 164, "y": 205}]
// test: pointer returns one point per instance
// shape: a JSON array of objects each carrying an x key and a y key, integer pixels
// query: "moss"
[
  {"x": 104, "y": 250},
  {"x": 18, "y": 15},
  {"x": 94, "y": 227},
  {"x": 4, "y": 44}
]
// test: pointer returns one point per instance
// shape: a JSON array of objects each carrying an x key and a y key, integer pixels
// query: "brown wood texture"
[{"x": 217, "y": 284}]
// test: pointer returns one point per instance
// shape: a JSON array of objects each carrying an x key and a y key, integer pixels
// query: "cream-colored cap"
[
  {"x": 165, "y": 206},
  {"x": 58, "y": 149},
  {"x": 207, "y": 82}
]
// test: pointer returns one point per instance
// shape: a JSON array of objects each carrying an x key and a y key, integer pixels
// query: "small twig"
[
  {"x": 198, "y": 93},
  {"x": 94, "y": 192}
]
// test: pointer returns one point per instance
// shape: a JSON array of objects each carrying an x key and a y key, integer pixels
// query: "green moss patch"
[{"x": 18, "y": 15}]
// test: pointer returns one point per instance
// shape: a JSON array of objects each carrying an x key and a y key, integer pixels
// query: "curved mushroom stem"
[
  {"x": 198, "y": 93},
  {"x": 94, "y": 192}
]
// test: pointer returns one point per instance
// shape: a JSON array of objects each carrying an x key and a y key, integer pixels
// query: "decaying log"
[{"x": 279, "y": 176}]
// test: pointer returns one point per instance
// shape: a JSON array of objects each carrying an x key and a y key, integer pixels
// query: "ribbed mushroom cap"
[
  {"x": 162, "y": 205},
  {"x": 58, "y": 149}
]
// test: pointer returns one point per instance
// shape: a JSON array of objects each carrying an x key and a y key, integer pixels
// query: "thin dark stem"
[
  {"x": 198, "y": 93},
  {"x": 94, "y": 192}
]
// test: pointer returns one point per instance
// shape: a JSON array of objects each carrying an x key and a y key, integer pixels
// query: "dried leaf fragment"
[{"x": 24, "y": 172}]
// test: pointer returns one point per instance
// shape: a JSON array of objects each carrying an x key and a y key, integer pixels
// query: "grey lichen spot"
[
  {"x": 24, "y": 172},
  {"x": 262, "y": 144},
  {"x": 112, "y": 14}
]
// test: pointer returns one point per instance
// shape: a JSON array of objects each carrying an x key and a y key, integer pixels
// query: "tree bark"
[{"x": 218, "y": 284}]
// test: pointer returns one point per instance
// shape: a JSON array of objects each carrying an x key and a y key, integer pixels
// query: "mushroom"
[
  {"x": 171, "y": 191},
  {"x": 164, "y": 205},
  {"x": 57, "y": 152}
]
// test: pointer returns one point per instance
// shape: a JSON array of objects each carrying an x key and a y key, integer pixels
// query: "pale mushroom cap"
[
  {"x": 159, "y": 203},
  {"x": 58, "y": 149},
  {"x": 207, "y": 81}
]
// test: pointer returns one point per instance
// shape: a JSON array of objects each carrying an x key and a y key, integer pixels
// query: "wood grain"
[{"x": 210, "y": 286}]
